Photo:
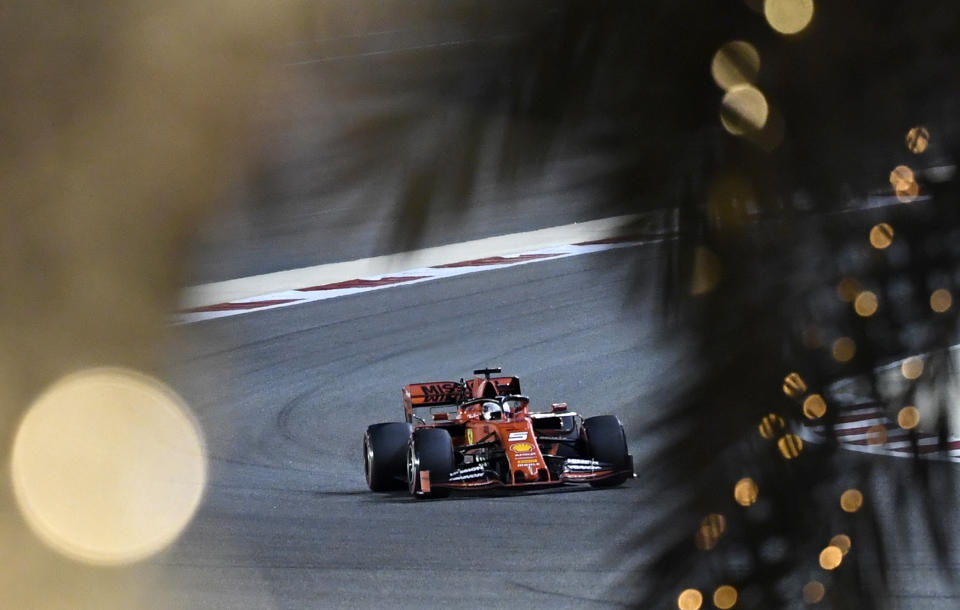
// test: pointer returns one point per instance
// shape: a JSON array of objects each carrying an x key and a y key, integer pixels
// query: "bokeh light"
[
  {"x": 908, "y": 192},
  {"x": 735, "y": 63},
  {"x": 710, "y": 531},
  {"x": 912, "y": 367},
  {"x": 851, "y": 500},
  {"x": 901, "y": 177},
  {"x": 876, "y": 435},
  {"x": 881, "y": 236},
  {"x": 788, "y": 16},
  {"x": 941, "y": 300},
  {"x": 745, "y": 492},
  {"x": 831, "y": 558},
  {"x": 842, "y": 542},
  {"x": 904, "y": 183},
  {"x": 844, "y": 349},
  {"x": 917, "y": 139},
  {"x": 790, "y": 446},
  {"x": 813, "y": 592},
  {"x": 743, "y": 109},
  {"x": 814, "y": 406},
  {"x": 690, "y": 599},
  {"x": 848, "y": 289},
  {"x": 865, "y": 304},
  {"x": 771, "y": 425},
  {"x": 101, "y": 444},
  {"x": 793, "y": 385},
  {"x": 725, "y": 597},
  {"x": 908, "y": 418}
]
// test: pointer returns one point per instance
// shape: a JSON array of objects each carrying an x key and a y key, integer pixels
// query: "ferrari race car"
[{"x": 481, "y": 433}]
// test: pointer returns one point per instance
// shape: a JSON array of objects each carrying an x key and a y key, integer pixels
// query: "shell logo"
[{"x": 521, "y": 447}]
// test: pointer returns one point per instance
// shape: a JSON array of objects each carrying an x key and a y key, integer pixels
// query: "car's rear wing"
[
  {"x": 432, "y": 394},
  {"x": 444, "y": 393}
]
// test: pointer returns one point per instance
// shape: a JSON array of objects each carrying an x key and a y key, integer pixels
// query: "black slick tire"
[
  {"x": 385, "y": 454},
  {"x": 606, "y": 442},
  {"x": 430, "y": 450}
]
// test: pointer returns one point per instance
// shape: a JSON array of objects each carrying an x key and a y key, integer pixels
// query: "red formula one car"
[{"x": 481, "y": 433}]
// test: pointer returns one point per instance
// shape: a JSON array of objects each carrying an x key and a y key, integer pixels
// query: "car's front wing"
[{"x": 573, "y": 470}]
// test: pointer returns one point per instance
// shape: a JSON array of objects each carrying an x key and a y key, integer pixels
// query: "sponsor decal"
[
  {"x": 441, "y": 392},
  {"x": 469, "y": 436},
  {"x": 517, "y": 436},
  {"x": 521, "y": 447},
  {"x": 524, "y": 462},
  {"x": 467, "y": 474},
  {"x": 584, "y": 466},
  {"x": 525, "y": 455}
]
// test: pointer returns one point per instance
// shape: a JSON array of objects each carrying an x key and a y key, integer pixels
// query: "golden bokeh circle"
[
  {"x": 744, "y": 109},
  {"x": 876, "y": 435},
  {"x": 851, "y": 500},
  {"x": 901, "y": 177},
  {"x": 735, "y": 63},
  {"x": 814, "y": 406},
  {"x": 848, "y": 289},
  {"x": 813, "y": 592},
  {"x": 771, "y": 425},
  {"x": 842, "y": 542},
  {"x": 790, "y": 446},
  {"x": 908, "y": 418},
  {"x": 881, "y": 236},
  {"x": 108, "y": 466},
  {"x": 912, "y": 367},
  {"x": 788, "y": 16},
  {"x": 831, "y": 558},
  {"x": 710, "y": 531},
  {"x": 844, "y": 349},
  {"x": 865, "y": 304},
  {"x": 908, "y": 192},
  {"x": 794, "y": 385},
  {"x": 917, "y": 139},
  {"x": 725, "y": 597},
  {"x": 941, "y": 300},
  {"x": 745, "y": 492},
  {"x": 690, "y": 599}
]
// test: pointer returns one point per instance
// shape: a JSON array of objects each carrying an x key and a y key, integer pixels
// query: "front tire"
[
  {"x": 384, "y": 455},
  {"x": 606, "y": 442},
  {"x": 430, "y": 450}
]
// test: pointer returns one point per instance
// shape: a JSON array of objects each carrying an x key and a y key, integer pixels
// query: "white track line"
[{"x": 297, "y": 286}]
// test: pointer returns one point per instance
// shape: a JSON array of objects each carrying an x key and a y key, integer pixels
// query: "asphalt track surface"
[{"x": 284, "y": 396}]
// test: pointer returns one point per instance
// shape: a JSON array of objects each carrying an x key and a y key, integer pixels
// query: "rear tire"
[
  {"x": 385, "y": 454},
  {"x": 430, "y": 449},
  {"x": 606, "y": 442}
]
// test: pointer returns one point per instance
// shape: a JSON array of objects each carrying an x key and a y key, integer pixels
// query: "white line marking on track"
[{"x": 298, "y": 286}]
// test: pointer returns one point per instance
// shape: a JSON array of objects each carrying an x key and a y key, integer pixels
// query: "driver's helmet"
[{"x": 491, "y": 410}]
